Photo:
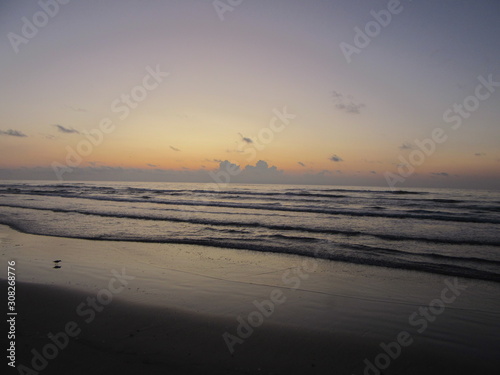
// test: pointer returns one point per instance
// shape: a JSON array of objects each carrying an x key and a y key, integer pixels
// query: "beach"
[
  {"x": 190, "y": 309},
  {"x": 250, "y": 187}
]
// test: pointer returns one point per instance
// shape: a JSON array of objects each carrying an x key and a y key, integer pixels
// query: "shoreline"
[
  {"x": 432, "y": 270},
  {"x": 325, "y": 308}
]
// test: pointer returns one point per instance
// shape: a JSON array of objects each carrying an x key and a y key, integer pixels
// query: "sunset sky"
[{"x": 264, "y": 85}]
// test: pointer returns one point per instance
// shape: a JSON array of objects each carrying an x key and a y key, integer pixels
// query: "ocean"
[{"x": 444, "y": 231}]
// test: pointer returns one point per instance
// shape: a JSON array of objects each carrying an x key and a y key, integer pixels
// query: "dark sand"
[{"x": 128, "y": 338}]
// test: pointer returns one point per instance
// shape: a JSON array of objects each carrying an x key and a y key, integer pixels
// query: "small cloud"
[
  {"x": 335, "y": 158},
  {"x": 301, "y": 164},
  {"x": 350, "y": 107},
  {"x": 373, "y": 172},
  {"x": 406, "y": 146},
  {"x": 479, "y": 154},
  {"x": 63, "y": 129},
  {"x": 336, "y": 94},
  {"x": 76, "y": 109},
  {"x": 228, "y": 166},
  {"x": 152, "y": 165},
  {"x": 324, "y": 172},
  {"x": 346, "y": 103},
  {"x": 441, "y": 174},
  {"x": 262, "y": 168},
  {"x": 174, "y": 148},
  {"x": 245, "y": 139},
  {"x": 13, "y": 133}
]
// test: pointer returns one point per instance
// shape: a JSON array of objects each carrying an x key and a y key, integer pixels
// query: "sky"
[{"x": 346, "y": 92}]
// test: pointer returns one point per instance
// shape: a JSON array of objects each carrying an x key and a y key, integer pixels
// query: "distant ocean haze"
[{"x": 452, "y": 232}]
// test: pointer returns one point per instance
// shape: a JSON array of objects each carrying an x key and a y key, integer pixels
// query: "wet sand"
[{"x": 162, "y": 308}]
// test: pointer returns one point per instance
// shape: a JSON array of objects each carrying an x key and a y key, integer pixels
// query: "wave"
[
  {"x": 315, "y": 196},
  {"x": 278, "y": 227},
  {"x": 355, "y": 225},
  {"x": 288, "y": 192},
  {"x": 436, "y": 216},
  {"x": 381, "y": 250},
  {"x": 440, "y": 200},
  {"x": 395, "y": 192}
]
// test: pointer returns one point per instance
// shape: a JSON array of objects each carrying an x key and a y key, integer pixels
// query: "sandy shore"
[{"x": 162, "y": 308}]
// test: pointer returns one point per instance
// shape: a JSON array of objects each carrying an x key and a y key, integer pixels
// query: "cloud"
[
  {"x": 301, "y": 164},
  {"x": 261, "y": 172},
  {"x": 373, "y": 172},
  {"x": 226, "y": 165},
  {"x": 406, "y": 146},
  {"x": 245, "y": 139},
  {"x": 76, "y": 109},
  {"x": 324, "y": 172},
  {"x": 63, "y": 129},
  {"x": 346, "y": 103},
  {"x": 152, "y": 165},
  {"x": 261, "y": 167},
  {"x": 350, "y": 107},
  {"x": 479, "y": 154},
  {"x": 13, "y": 133},
  {"x": 174, "y": 148},
  {"x": 441, "y": 174},
  {"x": 335, "y": 158}
]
